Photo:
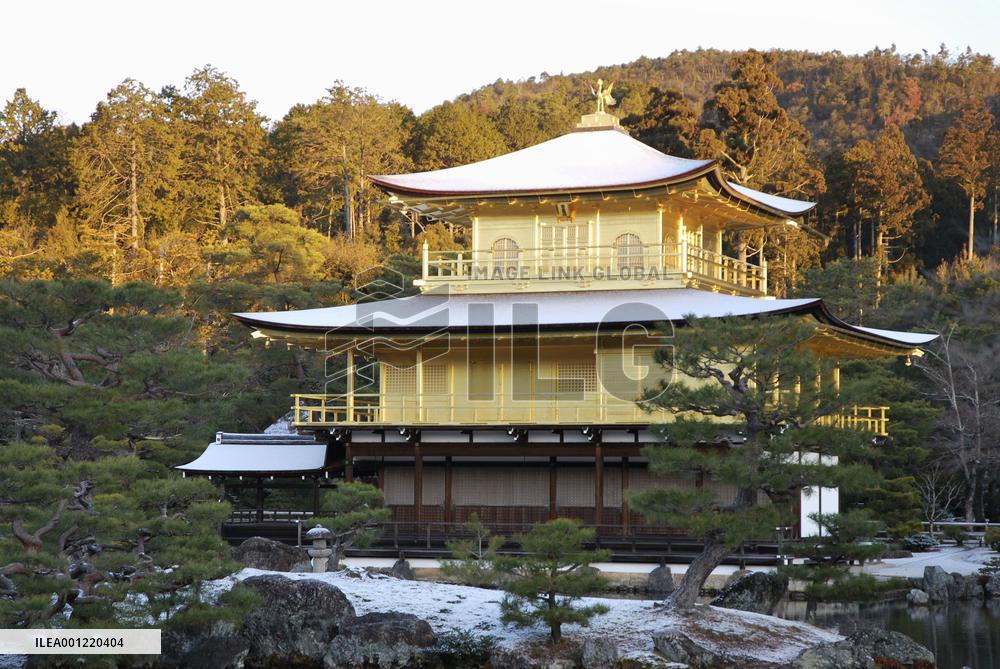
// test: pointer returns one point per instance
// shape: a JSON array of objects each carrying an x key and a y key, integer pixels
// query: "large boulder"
[
  {"x": 295, "y": 621},
  {"x": 937, "y": 583},
  {"x": 261, "y": 553},
  {"x": 676, "y": 645},
  {"x": 758, "y": 592},
  {"x": 215, "y": 645},
  {"x": 401, "y": 569},
  {"x": 383, "y": 640},
  {"x": 917, "y": 597},
  {"x": 965, "y": 587},
  {"x": 993, "y": 586},
  {"x": 599, "y": 652},
  {"x": 867, "y": 649},
  {"x": 661, "y": 581}
]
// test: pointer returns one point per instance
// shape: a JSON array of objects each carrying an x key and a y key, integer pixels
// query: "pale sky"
[{"x": 69, "y": 54}]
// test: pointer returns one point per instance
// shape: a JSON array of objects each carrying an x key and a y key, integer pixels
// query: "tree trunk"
[
  {"x": 972, "y": 225},
  {"x": 686, "y": 594},
  {"x": 223, "y": 214},
  {"x": 133, "y": 199}
]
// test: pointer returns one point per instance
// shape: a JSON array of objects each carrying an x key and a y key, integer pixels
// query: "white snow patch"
[
  {"x": 965, "y": 560},
  {"x": 749, "y": 637}
]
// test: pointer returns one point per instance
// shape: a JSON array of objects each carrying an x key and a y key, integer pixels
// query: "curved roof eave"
[{"x": 763, "y": 201}]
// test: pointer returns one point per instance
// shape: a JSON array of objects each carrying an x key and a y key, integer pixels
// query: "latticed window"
[
  {"x": 576, "y": 377},
  {"x": 400, "y": 380},
  {"x": 436, "y": 379},
  {"x": 628, "y": 251},
  {"x": 505, "y": 253}
]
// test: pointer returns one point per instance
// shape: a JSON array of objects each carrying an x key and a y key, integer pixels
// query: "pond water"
[{"x": 961, "y": 634}]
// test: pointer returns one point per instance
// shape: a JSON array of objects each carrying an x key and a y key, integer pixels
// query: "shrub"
[
  {"x": 919, "y": 542},
  {"x": 956, "y": 534},
  {"x": 992, "y": 538}
]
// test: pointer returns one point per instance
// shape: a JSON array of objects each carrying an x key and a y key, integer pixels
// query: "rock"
[
  {"x": 758, "y": 592},
  {"x": 401, "y": 569},
  {"x": 599, "y": 652},
  {"x": 514, "y": 658},
  {"x": 661, "y": 581},
  {"x": 735, "y": 576},
  {"x": 261, "y": 553},
  {"x": 993, "y": 585},
  {"x": 214, "y": 645},
  {"x": 296, "y": 620},
  {"x": 937, "y": 583},
  {"x": 965, "y": 587},
  {"x": 384, "y": 640},
  {"x": 917, "y": 597},
  {"x": 866, "y": 649},
  {"x": 676, "y": 646}
]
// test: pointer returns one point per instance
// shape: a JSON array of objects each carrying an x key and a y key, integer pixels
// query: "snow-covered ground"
[
  {"x": 749, "y": 637},
  {"x": 964, "y": 560}
]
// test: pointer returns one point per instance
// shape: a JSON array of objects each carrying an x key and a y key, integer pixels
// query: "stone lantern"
[{"x": 319, "y": 552}]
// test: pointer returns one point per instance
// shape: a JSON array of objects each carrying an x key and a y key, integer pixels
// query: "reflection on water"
[{"x": 961, "y": 634}]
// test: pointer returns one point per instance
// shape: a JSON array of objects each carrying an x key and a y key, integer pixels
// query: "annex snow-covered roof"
[
  {"x": 431, "y": 312},
  {"x": 245, "y": 454},
  {"x": 592, "y": 159}
]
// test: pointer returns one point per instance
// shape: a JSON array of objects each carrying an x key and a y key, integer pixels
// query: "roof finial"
[{"x": 604, "y": 98}]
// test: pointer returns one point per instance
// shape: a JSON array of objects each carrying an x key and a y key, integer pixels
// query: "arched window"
[
  {"x": 505, "y": 254},
  {"x": 628, "y": 251}
]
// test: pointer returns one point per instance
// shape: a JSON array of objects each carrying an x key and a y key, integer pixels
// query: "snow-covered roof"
[
  {"x": 431, "y": 312},
  {"x": 598, "y": 159},
  {"x": 245, "y": 454}
]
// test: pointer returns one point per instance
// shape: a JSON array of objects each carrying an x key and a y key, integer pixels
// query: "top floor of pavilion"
[{"x": 593, "y": 209}]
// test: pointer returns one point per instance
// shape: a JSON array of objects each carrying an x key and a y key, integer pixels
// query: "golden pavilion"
[{"x": 502, "y": 388}]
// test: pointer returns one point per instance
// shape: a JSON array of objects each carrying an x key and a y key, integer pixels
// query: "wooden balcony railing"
[
  {"x": 638, "y": 262},
  {"x": 364, "y": 409},
  {"x": 589, "y": 409},
  {"x": 865, "y": 419}
]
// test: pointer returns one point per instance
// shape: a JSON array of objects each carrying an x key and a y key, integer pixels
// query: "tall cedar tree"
[
  {"x": 668, "y": 123},
  {"x": 761, "y": 146},
  {"x": 328, "y": 148},
  {"x": 36, "y": 178},
  {"x": 885, "y": 189},
  {"x": 543, "y": 585},
  {"x": 968, "y": 155},
  {"x": 454, "y": 134},
  {"x": 126, "y": 159},
  {"x": 759, "y": 378},
  {"x": 223, "y": 141}
]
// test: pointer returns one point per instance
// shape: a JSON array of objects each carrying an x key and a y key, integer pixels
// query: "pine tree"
[
  {"x": 968, "y": 153},
  {"x": 760, "y": 377},
  {"x": 476, "y": 556},
  {"x": 353, "y": 512},
  {"x": 544, "y": 584}
]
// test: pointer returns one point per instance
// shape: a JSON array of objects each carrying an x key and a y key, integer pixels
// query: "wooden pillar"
[
  {"x": 553, "y": 489},
  {"x": 418, "y": 482},
  {"x": 626, "y": 511},
  {"x": 315, "y": 492},
  {"x": 381, "y": 477},
  {"x": 598, "y": 485},
  {"x": 348, "y": 463},
  {"x": 836, "y": 378},
  {"x": 420, "y": 385},
  {"x": 350, "y": 384},
  {"x": 449, "y": 513},
  {"x": 260, "y": 499}
]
